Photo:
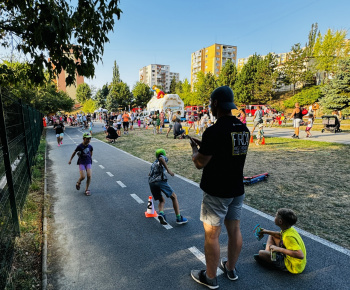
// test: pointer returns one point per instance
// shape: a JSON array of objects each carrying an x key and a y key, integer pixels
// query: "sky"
[{"x": 167, "y": 32}]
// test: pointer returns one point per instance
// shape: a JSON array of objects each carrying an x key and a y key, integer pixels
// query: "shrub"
[{"x": 305, "y": 97}]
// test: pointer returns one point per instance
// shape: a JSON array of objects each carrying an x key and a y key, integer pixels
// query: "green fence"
[{"x": 20, "y": 129}]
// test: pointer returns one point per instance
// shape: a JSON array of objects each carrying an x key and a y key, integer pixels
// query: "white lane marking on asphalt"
[
  {"x": 101, "y": 166},
  {"x": 200, "y": 256},
  {"x": 95, "y": 160},
  {"x": 258, "y": 212},
  {"x": 110, "y": 174},
  {"x": 168, "y": 227},
  {"x": 121, "y": 184},
  {"x": 134, "y": 196}
]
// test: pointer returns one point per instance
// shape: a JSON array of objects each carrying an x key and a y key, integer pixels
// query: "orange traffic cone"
[
  {"x": 263, "y": 141},
  {"x": 150, "y": 208},
  {"x": 251, "y": 139}
]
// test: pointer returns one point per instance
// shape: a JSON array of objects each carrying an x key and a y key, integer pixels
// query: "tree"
[
  {"x": 89, "y": 106},
  {"x": 203, "y": 88},
  {"x": 119, "y": 96},
  {"x": 178, "y": 88},
  {"x": 228, "y": 74},
  {"x": 186, "y": 95},
  {"x": 142, "y": 94},
  {"x": 101, "y": 96},
  {"x": 329, "y": 48},
  {"x": 294, "y": 68},
  {"x": 265, "y": 79},
  {"x": 337, "y": 90},
  {"x": 56, "y": 29},
  {"x": 116, "y": 75},
  {"x": 244, "y": 87},
  {"x": 83, "y": 93},
  {"x": 172, "y": 89},
  {"x": 44, "y": 97},
  {"x": 309, "y": 47}
]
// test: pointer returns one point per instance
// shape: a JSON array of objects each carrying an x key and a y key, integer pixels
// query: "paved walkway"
[{"x": 105, "y": 241}]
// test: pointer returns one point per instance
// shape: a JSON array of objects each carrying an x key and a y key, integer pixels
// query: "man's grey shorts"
[
  {"x": 256, "y": 123},
  {"x": 217, "y": 209}
]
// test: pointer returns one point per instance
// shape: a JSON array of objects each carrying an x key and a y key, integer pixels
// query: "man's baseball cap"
[
  {"x": 224, "y": 96},
  {"x": 86, "y": 135}
]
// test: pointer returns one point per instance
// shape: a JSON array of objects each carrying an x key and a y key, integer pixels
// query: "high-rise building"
[
  {"x": 157, "y": 74},
  {"x": 211, "y": 59}
]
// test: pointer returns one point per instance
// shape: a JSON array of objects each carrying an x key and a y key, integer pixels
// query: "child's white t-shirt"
[{"x": 310, "y": 122}]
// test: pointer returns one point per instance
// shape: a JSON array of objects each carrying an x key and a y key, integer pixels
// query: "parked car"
[{"x": 251, "y": 109}]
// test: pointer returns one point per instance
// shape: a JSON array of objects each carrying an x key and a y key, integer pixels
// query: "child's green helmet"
[{"x": 160, "y": 152}]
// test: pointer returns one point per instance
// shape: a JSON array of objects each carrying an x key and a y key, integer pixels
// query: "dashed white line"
[
  {"x": 94, "y": 160},
  {"x": 102, "y": 166},
  {"x": 168, "y": 227},
  {"x": 134, "y": 196},
  {"x": 110, "y": 174},
  {"x": 200, "y": 256},
  {"x": 121, "y": 184}
]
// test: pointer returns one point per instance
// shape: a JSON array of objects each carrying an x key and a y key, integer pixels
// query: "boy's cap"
[
  {"x": 86, "y": 135},
  {"x": 160, "y": 152},
  {"x": 225, "y": 97}
]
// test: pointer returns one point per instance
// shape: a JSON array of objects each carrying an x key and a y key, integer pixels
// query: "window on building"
[
  {"x": 206, "y": 50},
  {"x": 206, "y": 56},
  {"x": 218, "y": 53},
  {"x": 218, "y": 47}
]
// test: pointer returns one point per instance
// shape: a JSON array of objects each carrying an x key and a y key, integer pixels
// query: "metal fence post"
[
  {"x": 7, "y": 163},
  {"x": 25, "y": 141}
]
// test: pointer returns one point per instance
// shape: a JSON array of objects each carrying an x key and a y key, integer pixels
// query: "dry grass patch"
[{"x": 308, "y": 176}]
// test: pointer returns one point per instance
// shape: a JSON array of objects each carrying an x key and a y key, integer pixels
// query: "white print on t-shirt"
[{"x": 240, "y": 143}]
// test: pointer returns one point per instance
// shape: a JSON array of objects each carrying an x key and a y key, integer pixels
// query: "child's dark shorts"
[
  {"x": 279, "y": 263},
  {"x": 160, "y": 186}
]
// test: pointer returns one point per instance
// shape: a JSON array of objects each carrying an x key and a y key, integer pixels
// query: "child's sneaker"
[
  {"x": 232, "y": 275},
  {"x": 181, "y": 220},
  {"x": 162, "y": 219},
  {"x": 200, "y": 277}
]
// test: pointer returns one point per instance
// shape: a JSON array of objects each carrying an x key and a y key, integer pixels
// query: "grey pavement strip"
[
  {"x": 101, "y": 166},
  {"x": 44, "y": 248},
  {"x": 110, "y": 174},
  {"x": 302, "y": 232},
  {"x": 121, "y": 184},
  {"x": 168, "y": 227},
  {"x": 200, "y": 256},
  {"x": 134, "y": 196}
]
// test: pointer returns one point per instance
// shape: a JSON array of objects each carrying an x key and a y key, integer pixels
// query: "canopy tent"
[{"x": 101, "y": 110}]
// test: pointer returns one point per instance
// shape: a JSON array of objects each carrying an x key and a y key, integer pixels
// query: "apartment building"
[
  {"x": 159, "y": 75},
  {"x": 211, "y": 59}
]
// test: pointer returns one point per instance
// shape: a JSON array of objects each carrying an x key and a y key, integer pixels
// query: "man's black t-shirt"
[
  {"x": 58, "y": 128},
  {"x": 111, "y": 132},
  {"x": 227, "y": 142},
  {"x": 177, "y": 128}
]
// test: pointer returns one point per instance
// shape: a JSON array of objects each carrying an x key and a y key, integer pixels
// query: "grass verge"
[
  {"x": 26, "y": 266},
  {"x": 308, "y": 176}
]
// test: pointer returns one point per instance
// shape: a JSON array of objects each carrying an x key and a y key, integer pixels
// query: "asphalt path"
[{"x": 104, "y": 241}]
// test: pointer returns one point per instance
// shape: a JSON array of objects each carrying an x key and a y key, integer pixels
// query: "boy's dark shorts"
[
  {"x": 279, "y": 263},
  {"x": 160, "y": 186}
]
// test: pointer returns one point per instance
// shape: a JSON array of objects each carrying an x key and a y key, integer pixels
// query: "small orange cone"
[
  {"x": 150, "y": 208},
  {"x": 251, "y": 139},
  {"x": 263, "y": 141}
]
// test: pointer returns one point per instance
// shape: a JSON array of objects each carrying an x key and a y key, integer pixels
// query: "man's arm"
[
  {"x": 200, "y": 160},
  {"x": 291, "y": 116}
]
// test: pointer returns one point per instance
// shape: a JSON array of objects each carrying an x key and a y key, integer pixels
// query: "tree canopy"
[
  {"x": 83, "y": 93},
  {"x": 142, "y": 94},
  {"x": 56, "y": 30}
]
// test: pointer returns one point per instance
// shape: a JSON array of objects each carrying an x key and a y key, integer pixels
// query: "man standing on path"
[
  {"x": 258, "y": 118},
  {"x": 222, "y": 153}
]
